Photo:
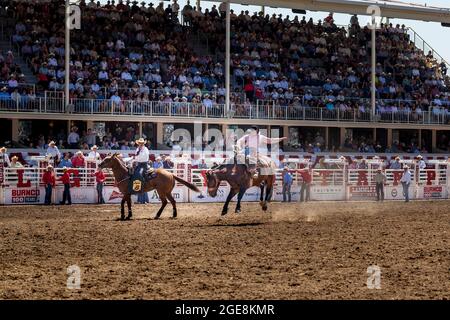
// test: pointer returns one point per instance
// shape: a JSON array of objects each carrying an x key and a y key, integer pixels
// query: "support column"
[
  {"x": 227, "y": 58},
  {"x": 15, "y": 129},
  {"x": 69, "y": 126},
  {"x": 374, "y": 135},
  {"x": 433, "y": 140},
  {"x": 285, "y": 134},
  {"x": 389, "y": 137},
  {"x": 341, "y": 136},
  {"x": 198, "y": 5},
  {"x": 419, "y": 143},
  {"x": 140, "y": 127},
  {"x": 89, "y": 124},
  {"x": 159, "y": 133},
  {"x": 327, "y": 133}
]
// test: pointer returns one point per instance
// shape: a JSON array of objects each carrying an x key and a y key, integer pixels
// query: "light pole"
[{"x": 67, "y": 57}]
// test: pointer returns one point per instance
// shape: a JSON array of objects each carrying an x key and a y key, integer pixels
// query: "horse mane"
[{"x": 119, "y": 160}]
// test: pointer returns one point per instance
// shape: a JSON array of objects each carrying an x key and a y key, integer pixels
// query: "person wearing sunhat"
[
  {"x": 396, "y": 165},
  {"x": 49, "y": 180},
  {"x": 53, "y": 152},
  {"x": 4, "y": 158},
  {"x": 94, "y": 154},
  {"x": 380, "y": 180},
  {"x": 78, "y": 160},
  {"x": 142, "y": 157},
  {"x": 421, "y": 163},
  {"x": 15, "y": 162},
  {"x": 406, "y": 181}
]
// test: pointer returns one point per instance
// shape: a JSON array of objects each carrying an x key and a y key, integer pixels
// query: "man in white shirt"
[
  {"x": 406, "y": 181},
  {"x": 141, "y": 158},
  {"x": 94, "y": 155},
  {"x": 53, "y": 152},
  {"x": 421, "y": 163},
  {"x": 251, "y": 144}
]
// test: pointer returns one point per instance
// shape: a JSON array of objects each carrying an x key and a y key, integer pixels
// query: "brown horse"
[
  {"x": 163, "y": 182},
  {"x": 240, "y": 179}
]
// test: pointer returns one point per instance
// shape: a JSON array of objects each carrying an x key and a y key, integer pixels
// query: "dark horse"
[
  {"x": 240, "y": 179},
  {"x": 163, "y": 182}
]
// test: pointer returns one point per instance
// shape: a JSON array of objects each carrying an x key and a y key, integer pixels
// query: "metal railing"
[{"x": 435, "y": 115}]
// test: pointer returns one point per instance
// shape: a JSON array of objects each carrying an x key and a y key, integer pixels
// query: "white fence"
[{"x": 25, "y": 186}]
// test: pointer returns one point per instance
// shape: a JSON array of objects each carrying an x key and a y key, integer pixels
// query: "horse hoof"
[
  {"x": 224, "y": 213},
  {"x": 156, "y": 218},
  {"x": 237, "y": 211},
  {"x": 128, "y": 218},
  {"x": 264, "y": 208}
]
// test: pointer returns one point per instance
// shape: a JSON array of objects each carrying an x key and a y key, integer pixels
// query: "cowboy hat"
[
  {"x": 141, "y": 141},
  {"x": 15, "y": 158},
  {"x": 3, "y": 149},
  {"x": 49, "y": 167},
  {"x": 94, "y": 147},
  {"x": 64, "y": 168},
  {"x": 79, "y": 152},
  {"x": 51, "y": 143},
  {"x": 419, "y": 157}
]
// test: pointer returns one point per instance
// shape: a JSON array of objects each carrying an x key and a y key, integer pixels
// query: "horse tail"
[{"x": 187, "y": 184}]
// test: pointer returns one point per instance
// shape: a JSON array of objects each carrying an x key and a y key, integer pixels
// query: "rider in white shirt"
[
  {"x": 142, "y": 157},
  {"x": 252, "y": 144}
]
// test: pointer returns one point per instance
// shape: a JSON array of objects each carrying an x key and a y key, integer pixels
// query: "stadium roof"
[{"x": 389, "y": 9}]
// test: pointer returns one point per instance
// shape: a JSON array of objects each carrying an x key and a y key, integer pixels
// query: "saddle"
[{"x": 138, "y": 181}]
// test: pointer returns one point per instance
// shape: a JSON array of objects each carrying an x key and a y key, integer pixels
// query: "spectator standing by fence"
[
  {"x": 287, "y": 183},
  {"x": 15, "y": 163},
  {"x": 65, "y": 179},
  {"x": 4, "y": 158},
  {"x": 406, "y": 181},
  {"x": 65, "y": 162},
  {"x": 380, "y": 180},
  {"x": 100, "y": 180},
  {"x": 49, "y": 181},
  {"x": 53, "y": 152},
  {"x": 78, "y": 160},
  {"x": 306, "y": 184}
]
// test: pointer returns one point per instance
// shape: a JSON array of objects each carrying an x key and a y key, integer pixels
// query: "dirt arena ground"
[{"x": 317, "y": 250}]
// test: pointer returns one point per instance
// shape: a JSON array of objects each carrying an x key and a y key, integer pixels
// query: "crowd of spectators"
[{"x": 127, "y": 51}]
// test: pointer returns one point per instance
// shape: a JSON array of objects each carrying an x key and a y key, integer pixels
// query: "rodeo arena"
[{"x": 132, "y": 131}]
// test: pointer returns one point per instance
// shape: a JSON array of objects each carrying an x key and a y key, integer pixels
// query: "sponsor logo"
[
  {"x": 25, "y": 195},
  {"x": 362, "y": 192},
  {"x": 432, "y": 192},
  {"x": 137, "y": 184},
  {"x": 394, "y": 193},
  {"x": 115, "y": 195}
]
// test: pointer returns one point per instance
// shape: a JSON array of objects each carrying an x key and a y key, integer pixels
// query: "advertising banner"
[
  {"x": 78, "y": 195},
  {"x": 14, "y": 195},
  {"x": 432, "y": 192},
  {"x": 327, "y": 193},
  {"x": 362, "y": 192}
]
